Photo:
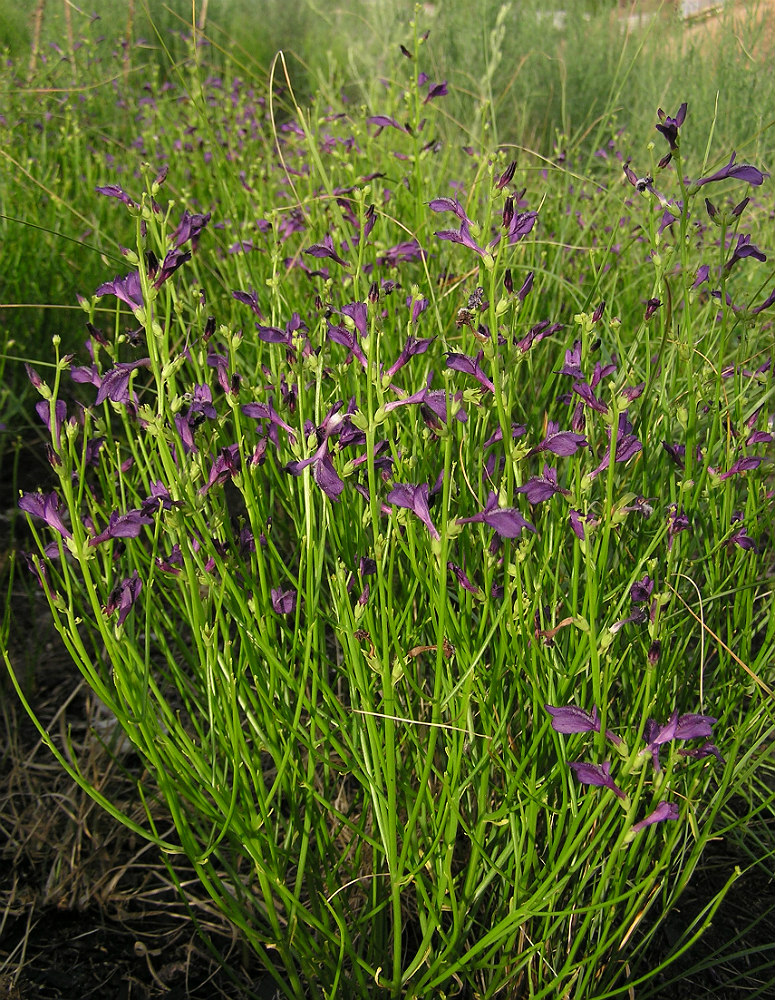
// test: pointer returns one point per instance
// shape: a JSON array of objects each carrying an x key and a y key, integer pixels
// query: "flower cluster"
[{"x": 569, "y": 719}]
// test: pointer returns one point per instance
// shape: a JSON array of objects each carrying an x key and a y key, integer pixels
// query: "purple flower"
[
  {"x": 123, "y": 597},
  {"x": 415, "y": 498},
  {"x": 449, "y": 205},
  {"x": 158, "y": 499},
  {"x": 433, "y": 403},
  {"x": 471, "y": 366},
  {"x": 641, "y": 590},
  {"x": 265, "y": 411},
  {"x": 43, "y": 409},
  {"x": 115, "y": 382},
  {"x": 770, "y": 300},
  {"x": 506, "y": 521},
  {"x": 665, "y": 810},
  {"x": 283, "y": 601},
  {"x": 588, "y": 397},
  {"x": 326, "y": 249},
  {"x": 745, "y": 464},
  {"x": 323, "y": 471},
  {"x": 676, "y": 521},
  {"x": 683, "y": 727},
  {"x": 738, "y": 171},
  {"x": 542, "y": 487},
  {"x": 128, "y": 525},
  {"x": 520, "y": 225},
  {"x": 249, "y": 299},
  {"x": 382, "y": 121},
  {"x": 569, "y": 719},
  {"x": 651, "y": 307},
  {"x": 572, "y": 364},
  {"x": 114, "y": 191},
  {"x": 506, "y": 177},
  {"x": 437, "y": 90},
  {"x": 462, "y": 236},
  {"x": 189, "y": 228},
  {"x": 413, "y": 346},
  {"x": 463, "y": 580},
  {"x": 172, "y": 261},
  {"x": 744, "y": 248},
  {"x": 596, "y": 774},
  {"x": 225, "y": 466},
  {"x": 669, "y": 126},
  {"x": 560, "y": 443},
  {"x": 347, "y": 338},
  {"x": 537, "y": 333},
  {"x": 740, "y": 536},
  {"x": 45, "y": 506},
  {"x": 127, "y": 290},
  {"x": 707, "y": 749}
]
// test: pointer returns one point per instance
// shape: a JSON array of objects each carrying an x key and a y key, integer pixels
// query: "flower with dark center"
[
  {"x": 507, "y": 522},
  {"x": 225, "y": 466},
  {"x": 123, "y": 597},
  {"x": 45, "y": 506},
  {"x": 669, "y": 126},
  {"x": 283, "y": 601}
]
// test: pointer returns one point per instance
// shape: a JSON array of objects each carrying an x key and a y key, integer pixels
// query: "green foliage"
[{"x": 339, "y": 694}]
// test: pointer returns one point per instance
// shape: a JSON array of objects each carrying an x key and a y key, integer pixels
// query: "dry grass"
[{"x": 86, "y": 906}]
